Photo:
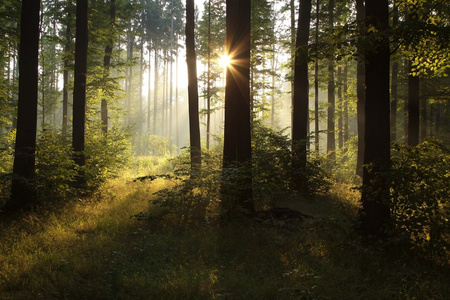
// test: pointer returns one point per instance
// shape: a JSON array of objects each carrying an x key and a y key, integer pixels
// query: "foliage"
[
  {"x": 54, "y": 166},
  {"x": 273, "y": 170},
  {"x": 420, "y": 208},
  {"x": 105, "y": 154}
]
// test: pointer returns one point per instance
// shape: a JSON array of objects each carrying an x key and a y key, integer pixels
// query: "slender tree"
[
  {"x": 375, "y": 196},
  {"x": 301, "y": 88},
  {"x": 331, "y": 139},
  {"x": 106, "y": 64},
  {"x": 194, "y": 122},
  {"x": 360, "y": 89},
  {"x": 23, "y": 191},
  {"x": 79, "y": 90}
]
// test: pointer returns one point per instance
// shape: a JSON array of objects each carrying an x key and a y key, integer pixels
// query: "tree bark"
[
  {"x": 360, "y": 89},
  {"x": 375, "y": 196},
  {"x": 237, "y": 136},
  {"x": 79, "y": 90},
  {"x": 301, "y": 89},
  {"x": 331, "y": 139},
  {"x": 316, "y": 84},
  {"x": 413, "y": 108},
  {"x": 106, "y": 65},
  {"x": 23, "y": 192},
  {"x": 194, "y": 122}
]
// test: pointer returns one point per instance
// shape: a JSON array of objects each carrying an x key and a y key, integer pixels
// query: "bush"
[
  {"x": 271, "y": 168},
  {"x": 420, "y": 181},
  {"x": 54, "y": 166}
]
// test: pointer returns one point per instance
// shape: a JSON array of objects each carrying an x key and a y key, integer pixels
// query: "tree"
[
  {"x": 331, "y": 139},
  {"x": 23, "y": 191},
  {"x": 237, "y": 137},
  {"x": 79, "y": 90},
  {"x": 301, "y": 88},
  {"x": 107, "y": 63},
  {"x": 360, "y": 89},
  {"x": 375, "y": 212},
  {"x": 194, "y": 123}
]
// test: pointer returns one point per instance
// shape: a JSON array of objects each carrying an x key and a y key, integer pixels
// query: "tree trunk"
[
  {"x": 331, "y": 139},
  {"x": 375, "y": 196},
  {"x": 360, "y": 89},
  {"x": 23, "y": 192},
  {"x": 237, "y": 136},
  {"x": 149, "y": 95},
  {"x": 79, "y": 90},
  {"x": 413, "y": 108},
  {"x": 208, "y": 83},
  {"x": 155, "y": 92},
  {"x": 316, "y": 84},
  {"x": 106, "y": 65},
  {"x": 346, "y": 133},
  {"x": 301, "y": 89},
  {"x": 340, "y": 111},
  {"x": 394, "y": 80},
  {"x": 194, "y": 122}
]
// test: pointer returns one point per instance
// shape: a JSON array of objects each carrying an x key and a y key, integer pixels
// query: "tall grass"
[{"x": 95, "y": 249}]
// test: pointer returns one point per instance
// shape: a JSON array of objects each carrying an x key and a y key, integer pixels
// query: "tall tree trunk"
[
  {"x": 177, "y": 138},
  {"x": 423, "y": 118},
  {"x": 141, "y": 84},
  {"x": 394, "y": 80},
  {"x": 66, "y": 75},
  {"x": 340, "y": 111},
  {"x": 360, "y": 89},
  {"x": 331, "y": 139},
  {"x": 345, "y": 83},
  {"x": 301, "y": 89},
  {"x": 293, "y": 35},
  {"x": 413, "y": 108},
  {"x": 237, "y": 136},
  {"x": 208, "y": 84},
  {"x": 375, "y": 196},
  {"x": 23, "y": 192},
  {"x": 194, "y": 122},
  {"x": 79, "y": 89},
  {"x": 316, "y": 83},
  {"x": 149, "y": 95},
  {"x": 106, "y": 65},
  {"x": 155, "y": 92}
]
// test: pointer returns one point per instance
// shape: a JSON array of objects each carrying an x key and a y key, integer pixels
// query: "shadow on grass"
[{"x": 94, "y": 250}]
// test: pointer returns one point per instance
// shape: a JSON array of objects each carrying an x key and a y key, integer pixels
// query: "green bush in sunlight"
[
  {"x": 106, "y": 155},
  {"x": 54, "y": 166},
  {"x": 420, "y": 208},
  {"x": 343, "y": 166}
]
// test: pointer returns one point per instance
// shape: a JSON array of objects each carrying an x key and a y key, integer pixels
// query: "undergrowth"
[{"x": 94, "y": 249}]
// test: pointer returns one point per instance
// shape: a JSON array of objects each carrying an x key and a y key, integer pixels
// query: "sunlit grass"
[{"x": 94, "y": 249}]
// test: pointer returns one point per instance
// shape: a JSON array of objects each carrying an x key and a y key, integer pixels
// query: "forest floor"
[{"x": 96, "y": 248}]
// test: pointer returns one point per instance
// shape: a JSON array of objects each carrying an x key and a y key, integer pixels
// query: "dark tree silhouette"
[
  {"x": 301, "y": 88},
  {"x": 360, "y": 90},
  {"x": 79, "y": 89},
  {"x": 23, "y": 191},
  {"x": 237, "y": 140},
  {"x": 194, "y": 122},
  {"x": 375, "y": 210}
]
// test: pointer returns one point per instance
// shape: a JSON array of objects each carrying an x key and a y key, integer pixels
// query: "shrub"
[{"x": 420, "y": 181}]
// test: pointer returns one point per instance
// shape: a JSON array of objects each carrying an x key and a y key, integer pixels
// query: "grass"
[{"x": 95, "y": 249}]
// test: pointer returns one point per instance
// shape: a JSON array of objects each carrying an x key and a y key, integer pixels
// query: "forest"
[{"x": 224, "y": 149}]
